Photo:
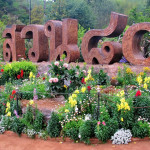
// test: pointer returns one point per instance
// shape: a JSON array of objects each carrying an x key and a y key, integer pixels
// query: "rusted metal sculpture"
[
  {"x": 69, "y": 45},
  {"x": 39, "y": 51},
  {"x": 53, "y": 30},
  {"x": 110, "y": 50},
  {"x": 131, "y": 44},
  {"x": 13, "y": 46}
]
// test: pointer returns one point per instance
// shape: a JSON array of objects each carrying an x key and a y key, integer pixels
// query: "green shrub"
[
  {"x": 86, "y": 130},
  {"x": 142, "y": 101},
  {"x": 102, "y": 132},
  {"x": 11, "y": 71},
  {"x": 39, "y": 121},
  {"x": 17, "y": 126},
  {"x": 54, "y": 126},
  {"x": 140, "y": 129},
  {"x": 71, "y": 129}
]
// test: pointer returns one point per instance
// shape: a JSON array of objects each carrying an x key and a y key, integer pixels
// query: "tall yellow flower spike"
[{"x": 139, "y": 80}]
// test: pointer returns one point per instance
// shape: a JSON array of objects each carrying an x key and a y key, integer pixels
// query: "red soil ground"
[{"x": 11, "y": 141}]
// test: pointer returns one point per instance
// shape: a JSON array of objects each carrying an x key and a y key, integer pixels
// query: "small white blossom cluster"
[
  {"x": 121, "y": 137},
  {"x": 88, "y": 117},
  {"x": 2, "y": 130},
  {"x": 31, "y": 133}
]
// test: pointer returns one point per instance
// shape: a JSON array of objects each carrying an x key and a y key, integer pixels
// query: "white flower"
[
  {"x": 65, "y": 65},
  {"x": 79, "y": 135},
  {"x": 76, "y": 109},
  {"x": 56, "y": 63},
  {"x": 84, "y": 71},
  {"x": 88, "y": 117}
]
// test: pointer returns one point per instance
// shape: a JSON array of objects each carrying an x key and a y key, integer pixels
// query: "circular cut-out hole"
[
  {"x": 6, "y": 54},
  {"x": 65, "y": 53},
  {"x": 58, "y": 58},
  {"x": 49, "y": 28},
  {"x": 107, "y": 49},
  {"x": 95, "y": 61},
  {"x": 7, "y": 45},
  {"x": 33, "y": 54}
]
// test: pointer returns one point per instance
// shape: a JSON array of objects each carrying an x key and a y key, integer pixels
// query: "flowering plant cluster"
[{"x": 63, "y": 79}]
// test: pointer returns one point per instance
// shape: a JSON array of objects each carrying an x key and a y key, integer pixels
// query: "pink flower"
[
  {"x": 55, "y": 80},
  {"x": 65, "y": 65},
  {"x": 51, "y": 80},
  {"x": 56, "y": 63},
  {"x": 61, "y": 60},
  {"x": 104, "y": 123},
  {"x": 98, "y": 123},
  {"x": 77, "y": 73}
]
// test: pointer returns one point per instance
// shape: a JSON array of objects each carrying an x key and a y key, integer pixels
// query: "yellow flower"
[
  {"x": 122, "y": 100},
  {"x": 122, "y": 93},
  {"x": 139, "y": 79},
  {"x": 146, "y": 69},
  {"x": 113, "y": 78},
  {"x": 66, "y": 110},
  {"x": 70, "y": 99},
  {"x": 8, "y": 105},
  {"x": 118, "y": 107},
  {"x": 31, "y": 75},
  {"x": 89, "y": 71},
  {"x": 6, "y": 110},
  {"x": 129, "y": 71},
  {"x": 122, "y": 119},
  {"x": 8, "y": 114},
  {"x": 31, "y": 102},
  {"x": 146, "y": 79},
  {"x": 141, "y": 73},
  {"x": 65, "y": 86},
  {"x": 76, "y": 91},
  {"x": 145, "y": 86},
  {"x": 83, "y": 89},
  {"x": 74, "y": 95}
]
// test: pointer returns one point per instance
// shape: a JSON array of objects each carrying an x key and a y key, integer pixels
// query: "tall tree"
[{"x": 37, "y": 15}]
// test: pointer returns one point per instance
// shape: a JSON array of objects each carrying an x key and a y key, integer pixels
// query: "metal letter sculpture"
[
  {"x": 131, "y": 44},
  {"x": 69, "y": 45},
  {"x": 39, "y": 51},
  {"x": 13, "y": 46},
  {"x": 110, "y": 51},
  {"x": 53, "y": 30}
]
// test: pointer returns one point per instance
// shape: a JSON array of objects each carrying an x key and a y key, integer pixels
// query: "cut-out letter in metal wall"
[
  {"x": 69, "y": 45},
  {"x": 39, "y": 51},
  {"x": 131, "y": 44},
  {"x": 111, "y": 51},
  {"x": 13, "y": 46},
  {"x": 53, "y": 30}
]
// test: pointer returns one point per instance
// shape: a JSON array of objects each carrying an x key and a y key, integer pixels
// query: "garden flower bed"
[{"x": 93, "y": 107}]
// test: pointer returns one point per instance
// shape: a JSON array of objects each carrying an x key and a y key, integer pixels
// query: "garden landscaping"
[{"x": 74, "y": 102}]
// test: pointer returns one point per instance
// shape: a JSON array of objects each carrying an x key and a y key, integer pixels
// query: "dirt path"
[{"x": 11, "y": 141}]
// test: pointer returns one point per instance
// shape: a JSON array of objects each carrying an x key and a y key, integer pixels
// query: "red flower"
[
  {"x": 138, "y": 93},
  {"x": 89, "y": 88},
  {"x": 21, "y": 73},
  {"x": 13, "y": 92},
  {"x": 83, "y": 82},
  {"x": 43, "y": 78},
  {"x": 2, "y": 70},
  {"x": 11, "y": 97},
  {"x": 18, "y": 76}
]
